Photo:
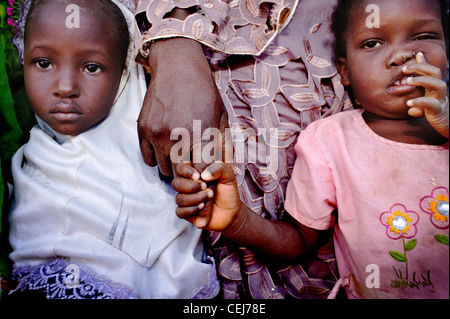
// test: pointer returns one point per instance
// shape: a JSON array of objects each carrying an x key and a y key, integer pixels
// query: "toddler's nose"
[{"x": 399, "y": 58}]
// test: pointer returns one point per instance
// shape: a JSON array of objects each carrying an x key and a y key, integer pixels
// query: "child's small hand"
[
  {"x": 193, "y": 194},
  {"x": 434, "y": 104}
]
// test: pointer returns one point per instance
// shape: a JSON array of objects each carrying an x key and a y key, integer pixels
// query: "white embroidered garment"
[{"x": 91, "y": 200}]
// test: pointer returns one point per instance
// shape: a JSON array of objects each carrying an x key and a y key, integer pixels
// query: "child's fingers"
[
  {"x": 425, "y": 102},
  {"x": 436, "y": 112},
  {"x": 430, "y": 83},
  {"x": 217, "y": 213},
  {"x": 418, "y": 105},
  {"x": 435, "y": 93},
  {"x": 433, "y": 106},
  {"x": 422, "y": 67},
  {"x": 218, "y": 171},
  {"x": 227, "y": 193},
  {"x": 427, "y": 76}
]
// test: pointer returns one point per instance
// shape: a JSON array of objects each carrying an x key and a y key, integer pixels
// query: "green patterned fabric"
[{"x": 13, "y": 106}]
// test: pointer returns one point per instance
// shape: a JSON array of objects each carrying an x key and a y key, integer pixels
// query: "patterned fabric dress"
[{"x": 272, "y": 63}]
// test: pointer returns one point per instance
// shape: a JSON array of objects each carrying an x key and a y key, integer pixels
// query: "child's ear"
[{"x": 341, "y": 64}]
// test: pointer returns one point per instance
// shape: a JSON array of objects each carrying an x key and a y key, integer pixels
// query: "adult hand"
[{"x": 182, "y": 89}]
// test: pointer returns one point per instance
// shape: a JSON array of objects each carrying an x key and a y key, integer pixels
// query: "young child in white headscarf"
[{"x": 90, "y": 218}]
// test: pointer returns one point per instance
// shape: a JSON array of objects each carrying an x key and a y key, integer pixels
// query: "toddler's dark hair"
[
  {"x": 108, "y": 8},
  {"x": 341, "y": 16}
]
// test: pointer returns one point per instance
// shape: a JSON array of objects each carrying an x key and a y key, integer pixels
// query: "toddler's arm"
[
  {"x": 275, "y": 239},
  {"x": 434, "y": 104}
]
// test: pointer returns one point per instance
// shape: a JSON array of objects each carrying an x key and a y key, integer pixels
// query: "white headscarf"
[{"x": 91, "y": 199}]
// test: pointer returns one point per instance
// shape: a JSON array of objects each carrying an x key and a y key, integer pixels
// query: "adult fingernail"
[
  {"x": 200, "y": 222},
  {"x": 210, "y": 193}
]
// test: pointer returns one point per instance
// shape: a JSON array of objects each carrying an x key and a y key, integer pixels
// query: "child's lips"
[
  {"x": 66, "y": 117},
  {"x": 66, "y": 112},
  {"x": 399, "y": 85}
]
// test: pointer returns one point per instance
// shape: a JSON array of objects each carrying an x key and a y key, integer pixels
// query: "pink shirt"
[{"x": 393, "y": 207}]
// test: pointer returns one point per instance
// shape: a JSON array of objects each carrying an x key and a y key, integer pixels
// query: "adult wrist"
[{"x": 175, "y": 53}]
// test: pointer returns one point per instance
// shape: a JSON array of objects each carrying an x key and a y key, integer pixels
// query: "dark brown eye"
[
  {"x": 43, "y": 64},
  {"x": 92, "y": 68},
  {"x": 370, "y": 44}
]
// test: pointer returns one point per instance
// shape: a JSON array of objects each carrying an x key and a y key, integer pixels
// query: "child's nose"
[
  {"x": 66, "y": 84},
  {"x": 399, "y": 58}
]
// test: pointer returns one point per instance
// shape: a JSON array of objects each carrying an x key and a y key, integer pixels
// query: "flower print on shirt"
[
  {"x": 436, "y": 205},
  {"x": 402, "y": 223}
]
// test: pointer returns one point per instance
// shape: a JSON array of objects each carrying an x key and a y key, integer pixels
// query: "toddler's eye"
[
  {"x": 92, "y": 68},
  {"x": 43, "y": 64},
  {"x": 371, "y": 44},
  {"x": 427, "y": 37}
]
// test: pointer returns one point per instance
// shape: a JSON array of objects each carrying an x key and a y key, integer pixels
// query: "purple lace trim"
[
  {"x": 212, "y": 287},
  {"x": 60, "y": 280}
]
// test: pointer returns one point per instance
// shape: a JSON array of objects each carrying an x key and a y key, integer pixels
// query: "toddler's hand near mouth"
[{"x": 434, "y": 104}]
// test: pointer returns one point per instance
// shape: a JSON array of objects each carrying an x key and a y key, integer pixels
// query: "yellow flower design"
[
  {"x": 437, "y": 213},
  {"x": 437, "y": 207},
  {"x": 400, "y": 222}
]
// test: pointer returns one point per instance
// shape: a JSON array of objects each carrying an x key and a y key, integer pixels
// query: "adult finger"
[
  {"x": 194, "y": 199},
  {"x": 148, "y": 153},
  {"x": 188, "y": 213},
  {"x": 187, "y": 170},
  {"x": 187, "y": 185},
  {"x": 164, "y": 164}
]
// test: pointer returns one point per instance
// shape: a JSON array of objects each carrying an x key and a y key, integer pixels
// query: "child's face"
[
  {"x": 375, "y": 56},
  {"x": 71, "y": 74}
]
